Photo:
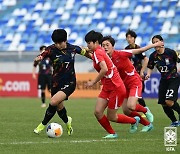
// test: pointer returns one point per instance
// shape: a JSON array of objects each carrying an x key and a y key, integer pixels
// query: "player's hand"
[
  {"x": 147, "y": 77},
  {"x": 38, "y": 58},
  {"x": 89, "y": 84},
  {"x": 34, "y": 76},
  {"x": 142, "y": 74},
  {"x": 159, "y": 44}
]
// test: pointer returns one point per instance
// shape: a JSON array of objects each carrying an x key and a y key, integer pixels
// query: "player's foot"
[
  {"x": 147, "y": 128},
  {"x": 175, "y": 124},
  {"x": 134, "y": 127},
  {"x": 69, "y": 127},
  {"x": 111, "y": 136},
  {"x": 43, "y": 105},
  {"x": 39, "y": 128},
  {"x": 149, "y": 115}
]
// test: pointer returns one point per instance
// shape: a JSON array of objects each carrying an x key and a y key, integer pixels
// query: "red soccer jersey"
[
  {"x": 112, "y": 77},
  {"x": 129, "y": 75},
  {"x": 122, "y": 62}
]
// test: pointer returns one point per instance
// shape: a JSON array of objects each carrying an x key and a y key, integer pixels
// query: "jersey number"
[
  {"x": 67, "y": 64},
  {"x": 164, "y": 69},
  {"x": 169, "y": 93}
]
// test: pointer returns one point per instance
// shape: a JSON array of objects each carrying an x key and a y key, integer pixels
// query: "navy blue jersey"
[
  {"x": 45, "y": 66},
  {"x": 62, "y": 62},
  {"x": 137, "y": 58},
  {"x": 165, "y": 63}
]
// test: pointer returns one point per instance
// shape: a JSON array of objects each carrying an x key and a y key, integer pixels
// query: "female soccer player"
[
  {"x": 62, "y": 55},
  {"x": 44, "y": 75},
  {"x": 113, "y": 90},
  {"x": 140, "y": 60},
  {"x": 131, "y": 79},
  {"x": 165, "y": 60}
]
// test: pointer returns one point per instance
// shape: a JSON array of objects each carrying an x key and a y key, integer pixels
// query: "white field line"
[{"x": 77, "y": 141}]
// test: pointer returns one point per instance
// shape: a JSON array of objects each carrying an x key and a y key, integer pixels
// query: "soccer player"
[
  {"x": 165, "y": 60},
  {"x": 62, "y": 54},
  {"x": 131, "y": 79},
  {"x": 140, "y": 60},
  {"x": 113, "y": 90},
  {"x": 44, "y": 75}
]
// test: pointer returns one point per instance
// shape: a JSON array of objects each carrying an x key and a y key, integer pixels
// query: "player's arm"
[
  {"x": 101, "y": 74},
  {"x": 86, "y": 52},
  {"x": 143, "y": 49},
  {"x": 34, "y": 72},
  {"x": 144, "y": 66},
  {"x": 149, "y": 72}
]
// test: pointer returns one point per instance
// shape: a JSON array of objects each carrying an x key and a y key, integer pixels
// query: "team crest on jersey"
[{"x": 167, "y": 61}]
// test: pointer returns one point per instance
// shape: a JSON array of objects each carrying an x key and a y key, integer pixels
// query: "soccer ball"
[{"x": 54, "y": 130}]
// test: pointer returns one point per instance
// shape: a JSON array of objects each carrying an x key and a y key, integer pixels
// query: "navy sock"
[
  {"x": 43, "y": 97},
  {"x": 50, "y": 112},
  {"x": 170, "y": 113},
  {"x": 63, "y": 115}
]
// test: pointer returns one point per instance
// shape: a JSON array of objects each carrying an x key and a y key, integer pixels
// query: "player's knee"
[
  {"x": 169, "y": 103},
  {"x": 111, "y": 117},
  {"x": 98, "y": 114}
]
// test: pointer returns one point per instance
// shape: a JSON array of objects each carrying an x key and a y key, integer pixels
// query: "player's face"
[
  {"x": 61, "y": 45},
  {"x": 155, "y": 40},
  {"x": 130, "y": 39},
  {"x": 107, "y": 46},
  {"x": 91, "y": 45}
]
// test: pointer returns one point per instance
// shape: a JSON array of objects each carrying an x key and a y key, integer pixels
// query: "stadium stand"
[{"x": 25, "y": 25}]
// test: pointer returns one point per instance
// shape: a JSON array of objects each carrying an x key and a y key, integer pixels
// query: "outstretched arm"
[{"x": 143, "y": 49}]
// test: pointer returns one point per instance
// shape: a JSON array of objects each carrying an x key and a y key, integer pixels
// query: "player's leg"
[
  {"x": 147, "y": 125},
  {"x": 101, "y": 105},
  {"x": 141, "y": 100},
  {"x": 61, "y": 110},
  {"x": 42, "y": 86},
  {"x": 51, "y": 110},
  {"x": 115, "y": 101},
  {"x": 172, "y": 96}
]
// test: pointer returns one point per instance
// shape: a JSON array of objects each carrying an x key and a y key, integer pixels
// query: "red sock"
[
  {"x": 106, "y": 125},
  {"x": 142, "y": 120},
  {"x": 125, "y": 119},
  {"x": 140, "y": 108}
]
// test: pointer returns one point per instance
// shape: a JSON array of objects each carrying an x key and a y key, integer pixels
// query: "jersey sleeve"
[
  {"x": 98, "y": 56},
  {"x": 151, "y": 62},
  {"x": 125, "y": 53}
]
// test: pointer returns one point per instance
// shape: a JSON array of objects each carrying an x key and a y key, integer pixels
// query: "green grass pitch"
[{"x": 19, "y": 116}]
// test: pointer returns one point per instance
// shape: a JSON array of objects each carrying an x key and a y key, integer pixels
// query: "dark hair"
[
  {"x": 132, "y": 33},
  {"x": 108, "y": 38},
  {"x": 158, "y": 37},
  {"x": 42, "y": 47},
  {"x": 59, "y": 35},
  {"x": 93, "y": 36}
]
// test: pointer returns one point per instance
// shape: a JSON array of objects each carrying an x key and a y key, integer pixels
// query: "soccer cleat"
[
  {"x": 134, "y": 127},
  {"x": 149, "y": 115},
  {"x": 111, "y": 136},
  {"x": 69, "y": 127},
  {"x": 175, "y": 124},
  {"x": 147, "y": 128},
  {"x": 39, "y": 128}
]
